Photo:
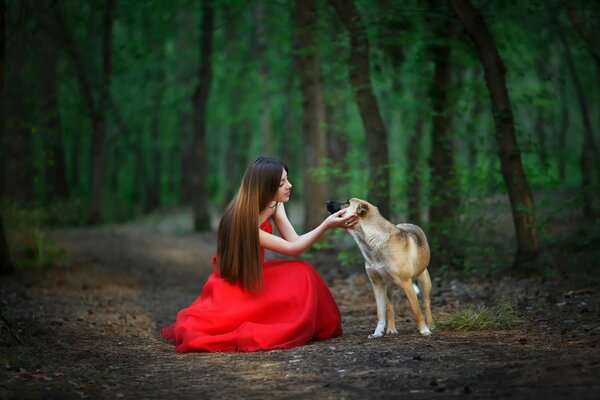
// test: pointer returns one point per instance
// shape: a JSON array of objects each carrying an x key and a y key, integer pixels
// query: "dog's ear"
[{"x": 362, "y": 209}]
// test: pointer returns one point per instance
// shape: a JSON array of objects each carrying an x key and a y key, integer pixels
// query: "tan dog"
[{"x": 394, "y": 255}]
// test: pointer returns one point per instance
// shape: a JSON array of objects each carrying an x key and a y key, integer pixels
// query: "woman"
[{"x": 248, "y": 304}]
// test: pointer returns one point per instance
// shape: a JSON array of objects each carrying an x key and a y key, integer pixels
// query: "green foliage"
[
  {"x": 31, "y": 246},
  {"x": 255, "y": 107},
  {"x": 503, "y": 315}
]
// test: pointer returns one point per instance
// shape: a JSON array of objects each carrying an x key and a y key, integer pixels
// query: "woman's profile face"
[{"x": 285, "y": 188}]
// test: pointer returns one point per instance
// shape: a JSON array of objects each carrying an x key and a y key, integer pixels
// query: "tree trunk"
[
  {"x": 314, "y": 120},
  {"x": 97, "y": 149},
  {"x": 588, "y": 150},
  {"x": 563, "y": 130},
  {"x": 519, "y": 192},
  {"x": 414, "y": 182},
  {"x": 55, "y": 165},
  {"x": 264, "y": 72},
  {"x": 358, "y": 65},
  {"x": 17, "y": 148},
  {"x": 185, "y": 157},
  {"x": 444, "y": 199},
  {"x": 200, "y": 101},
  {"x": 96, "y": 109},
  {"x": 6, "y": 266}
]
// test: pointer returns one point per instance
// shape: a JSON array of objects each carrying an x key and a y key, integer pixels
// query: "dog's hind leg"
[
  {"x": 380, "y": 298},
  {"x": 414, "y": 304},
  {"x": 390, "y": 317},
  {"x": 425, "y": 283}
]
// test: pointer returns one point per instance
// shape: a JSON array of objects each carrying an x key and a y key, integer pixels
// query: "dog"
[{"x": 395, "y": 255}]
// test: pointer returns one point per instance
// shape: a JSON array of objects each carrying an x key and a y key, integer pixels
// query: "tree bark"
[
  {"x": 414, "y": 181},
  {"x": 588, "y": 149},
  {"x": 563, "y": 129},
  {"x": 519, "y": 191},
  {"x": 17, "y": 148},
  {"x": 185, "y": 24},
  {"x": 6, "y": 265},
  {"x": 358, "y": 65},
  {"x": 97, "y": 149},
  {"x": 444, "y": 199},
  {"x": 265, "y": 77},
  {"x": 200, "y": 101},
  {"x": 97, "y": 109},
  {"x": 55, "y": 165},
  {"x": 314, "y": 120}
]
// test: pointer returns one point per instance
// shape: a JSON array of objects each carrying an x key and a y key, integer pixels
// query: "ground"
[{"x": 89, "y": 328}]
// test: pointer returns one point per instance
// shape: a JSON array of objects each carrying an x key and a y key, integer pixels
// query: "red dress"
[{"x": 294, "y": 308}]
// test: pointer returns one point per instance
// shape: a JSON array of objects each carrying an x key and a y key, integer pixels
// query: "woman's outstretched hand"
[{"x": 339, "y": 220}]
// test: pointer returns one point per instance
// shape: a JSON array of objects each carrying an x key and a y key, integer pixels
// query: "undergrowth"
[{"x": 473, "y": 318}]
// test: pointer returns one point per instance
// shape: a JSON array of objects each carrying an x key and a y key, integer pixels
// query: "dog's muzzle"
[{"x": 333, "y": 206}]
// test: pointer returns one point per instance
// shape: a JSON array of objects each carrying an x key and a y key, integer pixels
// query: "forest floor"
[{"x": 89, "y": 328}]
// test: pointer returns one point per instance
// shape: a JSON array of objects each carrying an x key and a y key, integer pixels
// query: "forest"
[
  {"x": 126, "y": 127},
  {"x": 437, "y": 112}
]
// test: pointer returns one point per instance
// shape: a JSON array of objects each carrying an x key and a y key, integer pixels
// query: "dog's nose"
[{"x": 333, "y": 206}]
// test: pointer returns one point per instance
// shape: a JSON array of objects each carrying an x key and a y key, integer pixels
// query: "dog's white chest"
[{"x": 369, "y": 244}]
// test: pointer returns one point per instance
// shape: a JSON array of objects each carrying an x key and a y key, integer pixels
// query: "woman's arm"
[
  {"x": 303, "y": 242},
  {"x": 283, "y": 224}
]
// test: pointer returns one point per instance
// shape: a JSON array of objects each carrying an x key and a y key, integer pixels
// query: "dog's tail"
[{"x": 417, "y": 290}]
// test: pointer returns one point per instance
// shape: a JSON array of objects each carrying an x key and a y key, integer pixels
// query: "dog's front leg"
[
  {"x": 380, "y": 298},
  {"x": 390, "y": 317}
]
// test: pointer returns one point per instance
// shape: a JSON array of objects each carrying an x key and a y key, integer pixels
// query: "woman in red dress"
[{"x": 248, "y": 304}]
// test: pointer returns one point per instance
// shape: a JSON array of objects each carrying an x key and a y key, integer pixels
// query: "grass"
[{"x": 501, "y": 316}]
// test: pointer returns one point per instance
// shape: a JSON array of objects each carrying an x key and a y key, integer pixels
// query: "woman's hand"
[{"x": 339, "y": 220}]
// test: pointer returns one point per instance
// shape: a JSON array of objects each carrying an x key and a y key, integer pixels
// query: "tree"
[
  {"x": 96, "y": 99},
  {"x": 99, "y": 120},
  {"x": 360, "y": 78},
  {"x": 6, "y": 265},
  {"x": 588, "y": 149},
  {"x": 200, "y": 101},
  {"x": 314, "y": 121},
  {"x": 519, "y": 192},
  {"x": 444, "y": 184}
]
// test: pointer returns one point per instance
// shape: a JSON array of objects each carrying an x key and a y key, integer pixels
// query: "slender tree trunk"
[
  {"x": 358, "y": 65},
  {"x": 337, "y": 142},
  {"x": 55, "y": 165},
  {"x": 589, "y": 42},
  {"x": 315, "y": 141},
  {"x": 588, "y": 150},
  {"x": 185, "y": 122},
  {"x": 155, "y": 167},
  {"x": 519, "y": 192},
  {"x": 540, "y": 130},
  {"x": 96, "y": 108},
  {"x": 414, "y": 181},
  {"x": 289, "y": 153},
  {"x": 265, "y": 75},
  {"x": 201, "y": 94},
  {"x": 97, "y": 149},
  {"x": 444, "y": 199},
  {"x": 17, "y": 147},
  {"x": 563, "y": 130},
  {"x": 239, "y": 135},
  {"x": 6, "y": 265}
]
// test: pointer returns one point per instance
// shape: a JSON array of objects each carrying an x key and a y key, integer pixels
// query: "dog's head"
[{"x": 359, "y": 207}]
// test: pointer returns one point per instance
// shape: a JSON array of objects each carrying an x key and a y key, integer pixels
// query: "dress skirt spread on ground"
[{"x": 294, "y": 308}]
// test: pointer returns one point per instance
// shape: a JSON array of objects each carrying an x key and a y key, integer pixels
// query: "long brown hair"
[{"x": 238, "y": 247}]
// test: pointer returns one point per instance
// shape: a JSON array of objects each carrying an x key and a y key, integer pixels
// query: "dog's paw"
[
  {"x": 425, "y": 331},
  {"x": 391, "y": 331},
  {"x": 375, "y": 335}
]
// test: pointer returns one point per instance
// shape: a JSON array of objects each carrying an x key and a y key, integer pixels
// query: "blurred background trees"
[{"x": 449, "y": 114}]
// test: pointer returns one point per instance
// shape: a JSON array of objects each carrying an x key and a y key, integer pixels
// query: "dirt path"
[{"x": 90, "y": 329}]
